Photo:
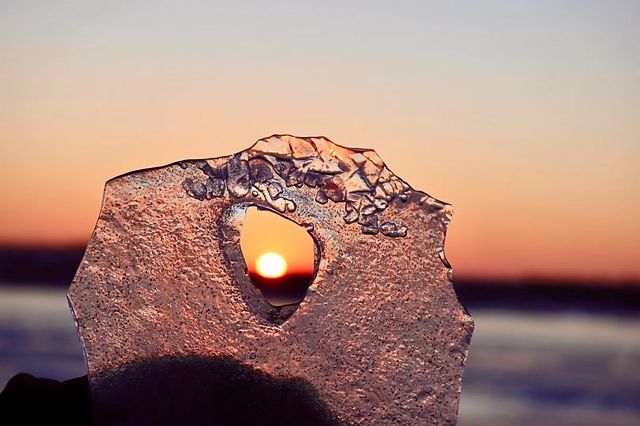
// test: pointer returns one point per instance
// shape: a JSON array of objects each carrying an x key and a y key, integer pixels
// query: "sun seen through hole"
[
  {"x": 271, "y": 265},
  {"x": 279, "y": 255}
]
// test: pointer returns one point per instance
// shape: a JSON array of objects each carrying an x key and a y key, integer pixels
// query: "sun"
[{"x": 271, "y": 265}]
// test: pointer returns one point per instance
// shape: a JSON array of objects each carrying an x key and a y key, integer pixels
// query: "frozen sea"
[{"x": 543, "y": 368}]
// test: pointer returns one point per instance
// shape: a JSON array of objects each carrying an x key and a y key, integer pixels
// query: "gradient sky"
[
  {"x": 524, "y": 115},
  {"x": 263, "y": 231}
]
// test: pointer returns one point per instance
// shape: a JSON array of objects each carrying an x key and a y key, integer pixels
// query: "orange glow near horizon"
[
  {"x": 273, "y": 246},
  {"x": 523, "y": 117}
]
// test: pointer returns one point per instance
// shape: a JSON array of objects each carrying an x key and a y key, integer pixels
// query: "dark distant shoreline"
[
  {"x": 56, "y": 267},
  {"x": 42, "y": 265},
  {"x": 537, "y": 295}
]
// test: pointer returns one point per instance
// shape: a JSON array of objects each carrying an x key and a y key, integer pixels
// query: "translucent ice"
[{"x": 380, "y": 337}]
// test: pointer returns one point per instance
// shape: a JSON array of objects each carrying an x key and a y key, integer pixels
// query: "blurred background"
[{"x": 524, "y": 115}]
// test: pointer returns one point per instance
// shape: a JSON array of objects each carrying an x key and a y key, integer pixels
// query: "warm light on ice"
[{"x": 271, "y": 265}]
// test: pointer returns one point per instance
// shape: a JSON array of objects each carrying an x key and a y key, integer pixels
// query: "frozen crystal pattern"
[
  {"x": 381, "y": 335},
  {"x": 358, "y": 178}
]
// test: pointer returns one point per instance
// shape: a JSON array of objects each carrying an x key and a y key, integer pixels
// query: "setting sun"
[{"x": 271, "y": 265}]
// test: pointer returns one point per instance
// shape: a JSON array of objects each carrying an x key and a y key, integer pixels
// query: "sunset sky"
[
  {"x": 524, "y": 115},
  {"x": 262, "y": 233}
]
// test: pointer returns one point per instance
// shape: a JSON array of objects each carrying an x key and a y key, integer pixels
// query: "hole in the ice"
[{"x": 280, "y": 256}]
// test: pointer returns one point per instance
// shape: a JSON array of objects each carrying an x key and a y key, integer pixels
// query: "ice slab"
[{"x": 380, "y": 337}]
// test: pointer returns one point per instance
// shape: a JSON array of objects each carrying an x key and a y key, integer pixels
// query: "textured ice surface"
[{"x": 381, "y": 335}]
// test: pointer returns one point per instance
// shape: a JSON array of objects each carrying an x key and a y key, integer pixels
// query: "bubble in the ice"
[
  {"x": 259, "y": 170},
  {"x": 334, "y": 189},
  {"x": 321, "y": 197},
  {"x": 368, "y": 209},
  {"x": 370, "y": 221},
  {"x": 380, "y": 204},
  {"x": 238, "y": 181},
  {"x": 274, "y": 189},
  {"x": 196, "y": 190},
  {"x": 351, "y": 214},
  {"x": 391, "y": 229},
  {"x": 369, "y": 230},
  {"x": 215, "y": 187}
]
